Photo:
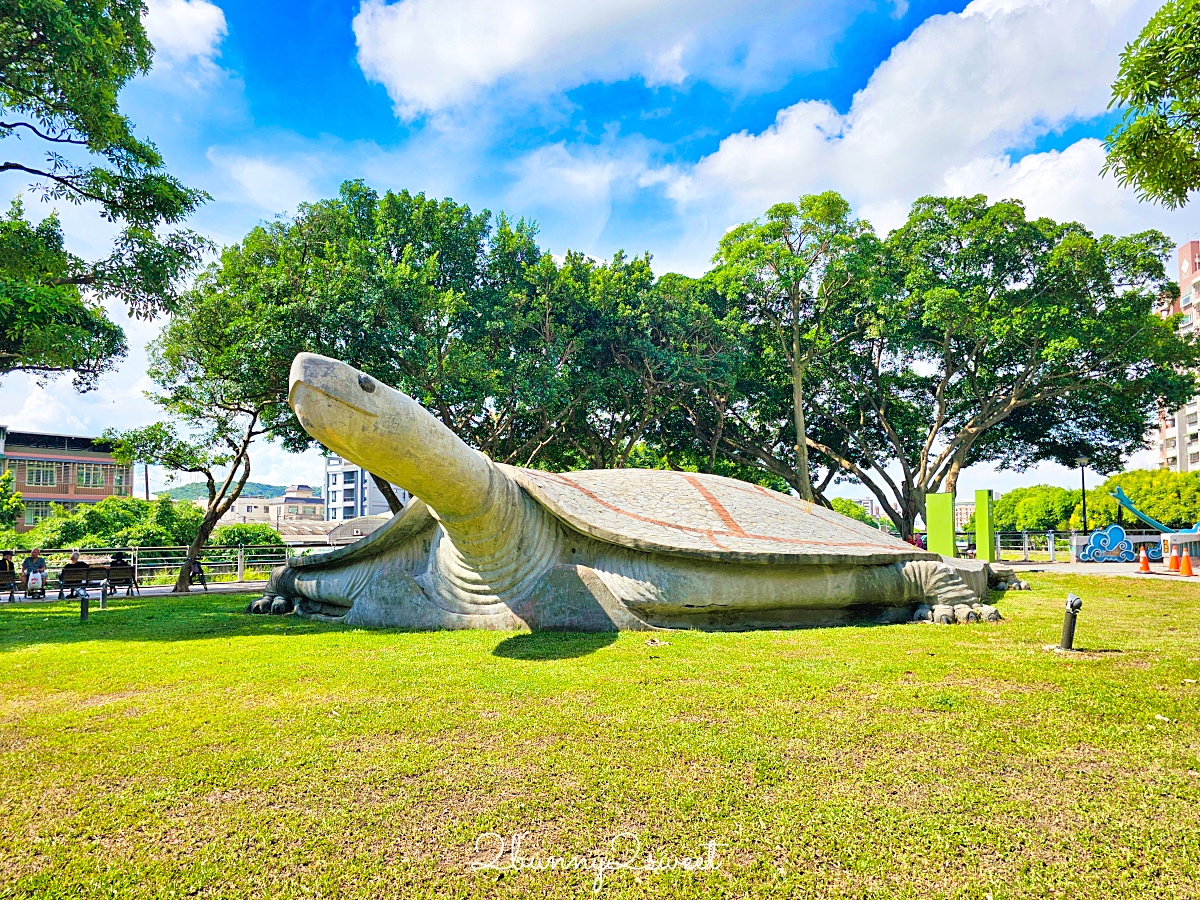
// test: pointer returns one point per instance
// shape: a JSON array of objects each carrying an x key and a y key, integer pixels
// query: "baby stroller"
[{"x": 196, "y": 572}]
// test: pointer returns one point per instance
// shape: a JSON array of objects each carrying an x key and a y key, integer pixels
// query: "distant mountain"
[{"x": 197, "y": 490}]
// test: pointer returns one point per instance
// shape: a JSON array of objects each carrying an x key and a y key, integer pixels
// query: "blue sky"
[{"x": 616, "y": 124}]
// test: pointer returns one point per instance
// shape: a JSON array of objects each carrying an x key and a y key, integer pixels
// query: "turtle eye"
[{"x": 366, "y": 382}]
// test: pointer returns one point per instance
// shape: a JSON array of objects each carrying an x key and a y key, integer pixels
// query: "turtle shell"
[{"x": 708, "y": 517}]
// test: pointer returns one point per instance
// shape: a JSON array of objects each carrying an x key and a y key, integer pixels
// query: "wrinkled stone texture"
[{"x": 485, "y": 545}]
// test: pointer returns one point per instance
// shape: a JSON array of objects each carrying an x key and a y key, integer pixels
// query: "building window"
[
  {"x": 1193, "y": 436},
  {"x": 348, "y": 512},
  {"x": 333, "y": 497},
  {"x": 36, "y": 510},
  {"x": 1194, "y": 457},
  {"x": 293, "y": 510},
  {"x": 333, "y": 477},
  {"x": 121, "y": 481},
  {"x": 89, "y": 475},
  {"x": 41, "y": 474}
]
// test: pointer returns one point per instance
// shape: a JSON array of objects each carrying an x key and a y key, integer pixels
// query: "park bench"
[
  {"x": 8, "y": 582},
  {"x": 123, "y": 577},
  {"x": 70, "y": 579},
  {"x": 96, "y": 577}
]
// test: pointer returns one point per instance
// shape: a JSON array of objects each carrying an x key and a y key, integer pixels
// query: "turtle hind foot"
[{"x": 266, "y": 605}]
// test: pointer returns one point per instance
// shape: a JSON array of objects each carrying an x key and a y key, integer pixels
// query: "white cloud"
[
  {"x": 572, "y": 189},
  {"x": 433, "y": 54},
  {"x": 41, "y": 410},
  {"x": 947, "y": 105},
  {"x": 1064, "y": 185},
  {"x": 184, "y": 30},
  {"x": 274, "y": 185}
]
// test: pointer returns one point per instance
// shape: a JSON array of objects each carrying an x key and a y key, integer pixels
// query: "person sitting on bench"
[
  {"x": 8, "y": 575},
  {"x": 33, "y": 573},
  {"x": 74, "y": 575}
]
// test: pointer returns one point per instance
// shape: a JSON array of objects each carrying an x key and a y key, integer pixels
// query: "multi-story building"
[
  {"x": 250, "y": 510},
  {"x": 962, "y": 514},
  {"x": 60, "y": 468},
  {"x": 350, "y": 491},
  {"x": 1179, "y": 431},
  {"x": 298, "y": 504}
]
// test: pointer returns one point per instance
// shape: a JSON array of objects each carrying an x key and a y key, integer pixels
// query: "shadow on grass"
[
  {"x": 185, "y": 617},
  {"x": 553, "y": 644}
]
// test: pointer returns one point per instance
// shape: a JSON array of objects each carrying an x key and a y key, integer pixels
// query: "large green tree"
[
  {"x": 991, "y": 317},
  {"x": 1040, "y": 507},
  {"x": 1156, "y": 146},
  {"x": 49, "y": 325},
  {"x": 792, "y": 275},
  {"x": 532, "y": 360},
  {"x": 62, "y": 65},
  {"x": 1172, "y": 498}
]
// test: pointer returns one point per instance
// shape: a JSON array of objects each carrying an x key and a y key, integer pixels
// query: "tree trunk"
[
  {"x": 385, "y": 488},
  {"x": 802, "y": 473}
]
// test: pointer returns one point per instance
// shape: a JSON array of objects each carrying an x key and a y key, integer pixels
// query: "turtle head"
[
  {"x": 329, "y": 396},
  {"x": 389, "y": 434}
]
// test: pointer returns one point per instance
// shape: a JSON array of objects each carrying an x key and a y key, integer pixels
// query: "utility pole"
[{"x": 146, "y": 473}]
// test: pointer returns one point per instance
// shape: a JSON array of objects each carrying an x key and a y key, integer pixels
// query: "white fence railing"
[
  {"x": 1049, "y": 546},
  {"x": 155, "y": 564}
]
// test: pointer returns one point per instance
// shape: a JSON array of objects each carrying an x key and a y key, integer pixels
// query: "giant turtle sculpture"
[{"x": 487, "y": 545}]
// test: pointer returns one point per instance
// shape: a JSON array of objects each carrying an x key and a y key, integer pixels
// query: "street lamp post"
[{"x": 1082, "y": 463}]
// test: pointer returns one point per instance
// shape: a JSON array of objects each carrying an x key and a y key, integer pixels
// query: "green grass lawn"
[{"x": 178, "y": 747}]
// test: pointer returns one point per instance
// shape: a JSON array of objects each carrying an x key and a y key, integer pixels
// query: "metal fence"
[
  {"x": 160, "y": 565},
  {"x": 1044, "y": 546}
]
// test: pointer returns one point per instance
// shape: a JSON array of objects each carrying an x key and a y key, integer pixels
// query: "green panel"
[
  {"x": 939, "y": 523},
  {"x": 985, "y": 528}
]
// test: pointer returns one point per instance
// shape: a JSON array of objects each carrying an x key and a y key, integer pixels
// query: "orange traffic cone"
[
  {"x": 1144, "y": 563},
  {"x": 1174, "y": 566},
  {"x": 1185, "y": 565}
]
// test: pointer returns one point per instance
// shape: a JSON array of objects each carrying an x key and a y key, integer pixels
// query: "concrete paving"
[{"x": 1158, "y": 571}]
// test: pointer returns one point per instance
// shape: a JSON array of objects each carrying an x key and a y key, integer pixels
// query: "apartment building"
[
  {"x": 60, "y": 468},
  {"x": 962, "y": 514},
  {"x": 351, "y": 492},
  {"x": 1179, "y": 431}
]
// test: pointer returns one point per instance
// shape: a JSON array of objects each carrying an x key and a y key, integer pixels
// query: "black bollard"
[
  {"x": 1074, "y": 605},
  {"x": 83, "y": 607}
]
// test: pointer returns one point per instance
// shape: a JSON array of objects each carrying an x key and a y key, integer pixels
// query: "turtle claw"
[{"x": 275, "y": 606}]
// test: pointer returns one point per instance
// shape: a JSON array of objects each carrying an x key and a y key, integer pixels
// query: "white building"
[
  {"x": 350, "y": 491},
  {"x": 1179, "y": 430},
  {"x": 298, "y": 504}
]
